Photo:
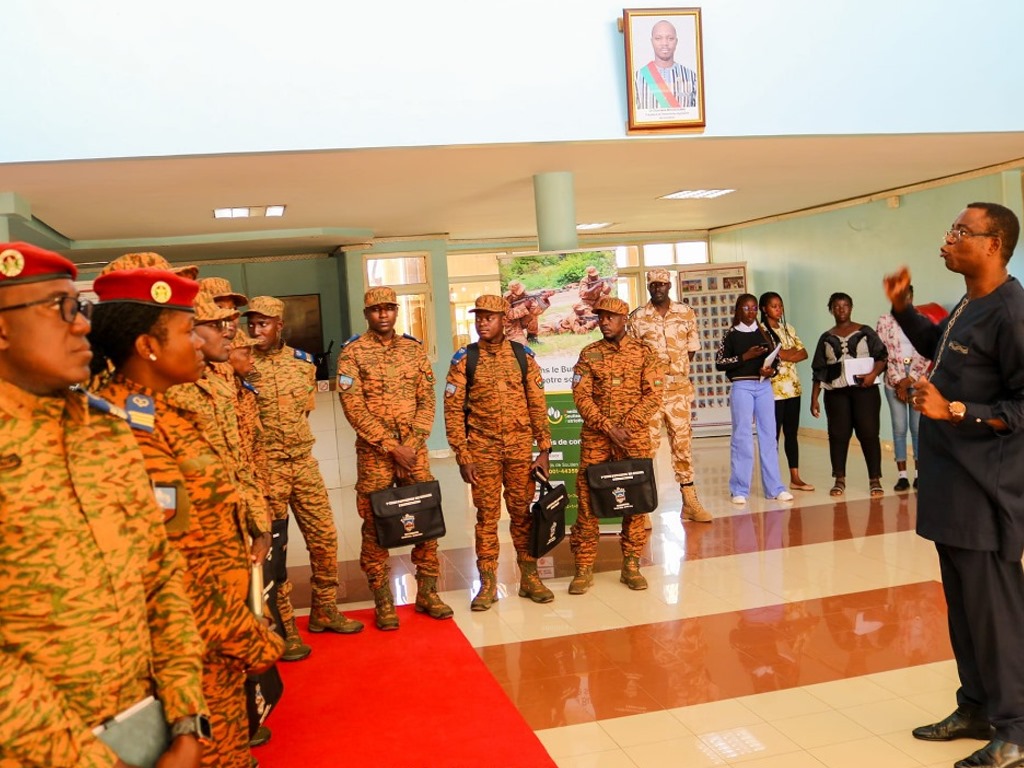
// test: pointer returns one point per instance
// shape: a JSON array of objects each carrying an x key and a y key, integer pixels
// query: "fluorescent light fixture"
[
  {"x": 222, "y": 213},
  {"x": 249, "y": 211},
  {"x": 696, "y": 194},
  {"x": 592, "y": 226},
  {"x": 275, "y": 210},
  {"x": 239, "y": 213}
]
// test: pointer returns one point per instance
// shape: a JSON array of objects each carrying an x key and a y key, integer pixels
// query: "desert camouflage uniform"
[
  {"x": 287, "y": 393},
  {"x": 593, "y": 288},
  {"x": 614, "y": 385},
  {"x": 504, "y": 421},
  {"x": 387, "y": 392},
  {"x": 92, "y": 606},
  {"x": 673, "y": 337},
  {"x": 207, "y": 526},
  {"x": 521, "y": 320},
  {"x": 212, "y": 398}
]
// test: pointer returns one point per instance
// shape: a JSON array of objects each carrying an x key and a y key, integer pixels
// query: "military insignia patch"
[
  {"x": 11, "y": 262},
  {"x": 141, "y": 410},
  {"x": 160, "y": 291},
  {"x": 540, "y": 382},
  {"x": 450, "y": 389},
  {"x": 345, "y": 382},
  {"x": 616, "y": 381}
]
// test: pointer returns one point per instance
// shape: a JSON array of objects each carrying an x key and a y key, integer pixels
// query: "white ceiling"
[{"x": 467, "y": 193}]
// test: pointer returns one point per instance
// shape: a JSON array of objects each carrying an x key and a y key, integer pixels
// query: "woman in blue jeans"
[{"x": 742, "y": 355}]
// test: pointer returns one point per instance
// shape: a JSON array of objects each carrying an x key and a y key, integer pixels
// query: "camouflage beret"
[
  {"x": 490, "y": 303},
  {"x": 659, "y": 276},
  {"x": 381, "y": 295},
  {"x": 611, "y": 305},
  {"x": 265, "y": 305}
]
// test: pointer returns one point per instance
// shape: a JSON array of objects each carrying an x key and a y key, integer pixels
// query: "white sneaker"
[
  {"x": 740, "y": 499},
  {"x": 784, "y": 496}
]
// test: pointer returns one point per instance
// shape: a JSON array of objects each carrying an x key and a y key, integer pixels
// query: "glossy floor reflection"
[{"x": 804, "y": 634}]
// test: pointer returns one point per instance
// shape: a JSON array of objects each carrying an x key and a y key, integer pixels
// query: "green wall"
[{"x": 806, "y": 258}]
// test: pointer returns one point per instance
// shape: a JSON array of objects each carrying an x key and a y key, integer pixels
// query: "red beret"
[
  {"x": 156, "y": 287},
  {"x": 25, "y": 263}
]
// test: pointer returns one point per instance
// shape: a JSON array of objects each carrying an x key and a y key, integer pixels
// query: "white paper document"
[
  {"x": 857, "y": 366},
  {"x": 771, "y": 358}
]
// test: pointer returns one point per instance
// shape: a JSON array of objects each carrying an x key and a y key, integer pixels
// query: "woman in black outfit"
[{"x": 852, "y": 401}]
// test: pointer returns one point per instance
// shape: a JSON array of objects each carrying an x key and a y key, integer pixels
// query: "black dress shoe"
[
  {"x": 959, "y": 725},
  {"x": 995, "y": 754},
  {"x": 902, "y": 485}
]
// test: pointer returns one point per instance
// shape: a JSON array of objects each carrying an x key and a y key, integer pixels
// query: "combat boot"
[
  {"x": 631, "y": 575},
  {"x": 582, "y": 581},
  {"x": 385, "y": 616},
  {"x": 692, "y": 508},
  {"x": 328, "y": 617},
  {"x": 428, "y": 601},
  {"x": 530, "y": 584},
  {"x": 488, "y": 594},
  {"x": 294, "y": 648}
]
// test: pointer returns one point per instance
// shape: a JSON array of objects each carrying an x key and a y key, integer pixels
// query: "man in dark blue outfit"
[{"x": 971, "y": 500}]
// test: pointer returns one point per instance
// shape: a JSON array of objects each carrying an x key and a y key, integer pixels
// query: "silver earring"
[{"x": 152, "y": 357}]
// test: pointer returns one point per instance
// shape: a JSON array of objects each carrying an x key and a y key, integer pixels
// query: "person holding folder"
[{"x": 749, "y": 360}]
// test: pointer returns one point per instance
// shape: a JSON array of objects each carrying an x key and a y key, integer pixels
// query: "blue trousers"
[
  {"x": 753, "y": 401},
  {"x": 902, "y": 414}
]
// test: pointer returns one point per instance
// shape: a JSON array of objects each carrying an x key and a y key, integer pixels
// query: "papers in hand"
[
  {"x": 770, "y": 360},
  {"x": 857, "y": 366}
]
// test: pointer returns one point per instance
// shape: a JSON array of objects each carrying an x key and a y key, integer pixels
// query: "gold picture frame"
[{"x": 664, "y": 69}]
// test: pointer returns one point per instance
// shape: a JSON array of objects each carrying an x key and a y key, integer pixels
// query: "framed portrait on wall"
[
  {"x": 664, "y": 68},
  {"x": 302, "y": 328}
]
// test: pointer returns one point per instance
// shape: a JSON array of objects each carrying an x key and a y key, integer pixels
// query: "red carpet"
[{"x": 414, "y": 698}]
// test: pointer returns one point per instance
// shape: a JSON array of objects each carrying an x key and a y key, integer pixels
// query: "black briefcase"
[
  {"x": 620, "y": 488},
  {"x": 408, "y": 514},
  {"x": 547, "y": 518}
]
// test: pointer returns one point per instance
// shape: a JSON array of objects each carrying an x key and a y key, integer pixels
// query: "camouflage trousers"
[
  {"x": 491, "y": 475},
  {"x": 299, "y": 484},
  {"x": 224, "y": 691},
  {"x": 585, "y": 532},
  {"x": 675, "y": 411},
  {"x": 377, "y": 472}
]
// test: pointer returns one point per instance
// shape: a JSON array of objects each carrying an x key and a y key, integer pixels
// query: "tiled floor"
[{"x": 789, "y": 635}]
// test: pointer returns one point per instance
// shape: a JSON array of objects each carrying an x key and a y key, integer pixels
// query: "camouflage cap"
[
  {"x": 515, "y": 285},
  {"x": 611, "y": 305},
  {"x": 149, "y": 261},
  {"x": 241, "y": 340},
  {"x": 220, "y": 288},
  {"x": 591, "y": 270},
  {"x": 490, "y": 303},
  {"x": 381, "y": 295},
  {"x": 659, "y": 276},
  {"x": 265, "y": 305},
  {"x": 208, "y": 311}
]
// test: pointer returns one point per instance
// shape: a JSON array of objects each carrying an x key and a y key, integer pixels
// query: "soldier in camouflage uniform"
[
  {"x": 670, "y": 328},
  {"x": 491, "y": 428},
  {"x": 617, "y": 387},
  {"x": 592, "y": 288},
  {"x": 386, "y": 388},
  {"x": 287, "y": 386},
  {"x": 522, "y": 317},
  {"x": 144, "y": 327},
  {"x": 93, "y": 611}
]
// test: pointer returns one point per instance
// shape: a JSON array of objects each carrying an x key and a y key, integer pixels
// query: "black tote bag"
[
  {"x": 547, "y": 518},
  {"x": 408, "y": 514},
  {"x": 620, "y": 488}
]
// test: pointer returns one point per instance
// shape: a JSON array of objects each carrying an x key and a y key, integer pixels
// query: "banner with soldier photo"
[{"x": 551, "y": 298}]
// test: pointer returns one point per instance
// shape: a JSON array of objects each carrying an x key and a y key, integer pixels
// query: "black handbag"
[
  {"x": 262, "y": 694},
  {"x": 621, "y": 488},
  {"x": 547, "y": 518},
  {"x": 408, "y": 514}
]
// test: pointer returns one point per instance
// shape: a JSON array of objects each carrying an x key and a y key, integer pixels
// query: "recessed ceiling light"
[
  {"x": 250, "y": 211},
  {"x": 275, "y": 210},
  {"x": 222, "y": 213},
  {"x": 691, "y": 194},
  {"x": 594, "y": 225}
]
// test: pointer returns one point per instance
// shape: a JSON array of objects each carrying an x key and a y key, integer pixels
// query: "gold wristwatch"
[{"x": 957, "y": 411}]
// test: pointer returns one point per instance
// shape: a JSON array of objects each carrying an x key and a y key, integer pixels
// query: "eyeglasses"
[
  {"x": 70, "y": 307},
  {"x": 958, "y": 234},
  {"x": 221, "y": 325}
]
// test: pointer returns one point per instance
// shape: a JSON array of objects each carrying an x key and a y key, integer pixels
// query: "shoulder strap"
[
  {"x": 520, "y": 352},
  {"x": 472, "y": 358}
]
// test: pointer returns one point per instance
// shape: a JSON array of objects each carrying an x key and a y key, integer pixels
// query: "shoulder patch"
[
  {"x": 458, "y": 356},
  {"x": 250, "y": 387},
  {"x": 104, "y": 406},
  {"x": 349, "y": 341},
  {"x": 411, "y": 338},
  {"x": 345, "y": 382},
  {"x": 141, "y": 410},
  {"x": 450, "y": 389},
  {"x": 305, "y": 356},
  {"x": 529, "y": 351}
]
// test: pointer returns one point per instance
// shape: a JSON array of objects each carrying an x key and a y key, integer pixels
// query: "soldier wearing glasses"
[
  {"x": 94, "y": 616},
  {"x": 971, "y": 495}
]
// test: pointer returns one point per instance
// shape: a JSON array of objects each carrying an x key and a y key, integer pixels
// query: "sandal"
[
  {"x": 801, "y": 486},
  {"x": 876, "y": 487},
  {"x": 839, "y": 487}
]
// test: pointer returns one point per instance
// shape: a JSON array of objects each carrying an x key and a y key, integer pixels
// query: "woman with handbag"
[
  {"x": 144, "y": 332},
  {"x": 743, "y": 355},
  {"x": 848, "y": 359}
]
